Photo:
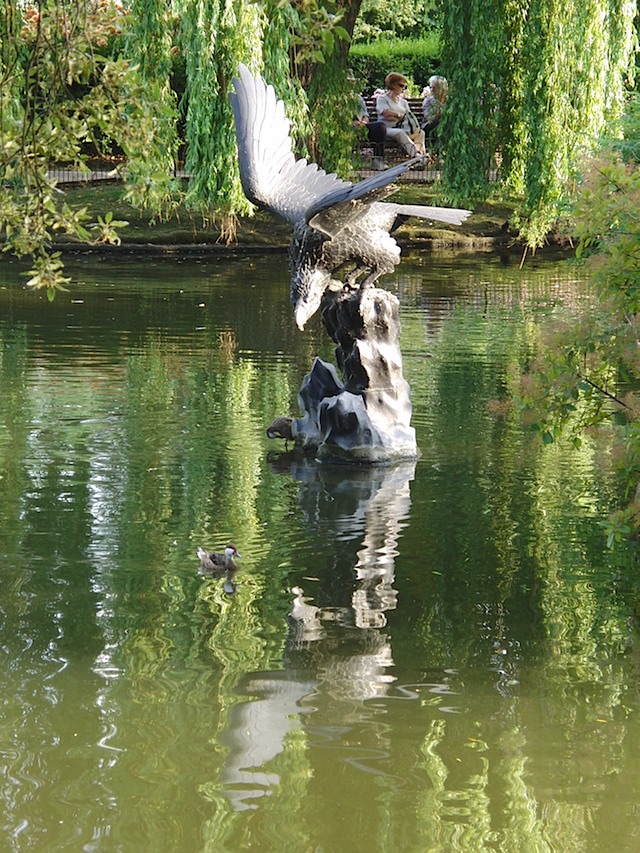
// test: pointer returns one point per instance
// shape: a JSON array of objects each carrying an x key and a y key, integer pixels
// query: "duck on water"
[{"x": 217, "y": 565}]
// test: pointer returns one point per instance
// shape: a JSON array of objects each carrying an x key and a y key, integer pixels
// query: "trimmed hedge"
[{"x": 417, "y": 59}]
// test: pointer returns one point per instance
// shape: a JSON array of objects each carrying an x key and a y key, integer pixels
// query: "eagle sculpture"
[{"x": 338, "y": 226}]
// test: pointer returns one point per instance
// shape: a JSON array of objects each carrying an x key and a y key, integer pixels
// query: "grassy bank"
[{"x": 486, "y": 225}]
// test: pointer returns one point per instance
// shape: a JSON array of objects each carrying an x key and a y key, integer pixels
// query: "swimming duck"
[{"x": 215, "y": 564}]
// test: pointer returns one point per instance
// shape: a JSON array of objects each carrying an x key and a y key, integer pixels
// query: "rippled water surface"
[{"x": 440, "y": 656}]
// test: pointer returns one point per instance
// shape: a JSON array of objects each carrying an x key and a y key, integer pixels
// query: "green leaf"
[{"x": 342, "y": 33}]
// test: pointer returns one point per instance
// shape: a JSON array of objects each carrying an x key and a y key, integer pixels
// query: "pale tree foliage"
[{"x": 61, "y": 98}]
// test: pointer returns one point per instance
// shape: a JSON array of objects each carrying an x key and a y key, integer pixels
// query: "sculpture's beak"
[{"x": 301, "y": 315}]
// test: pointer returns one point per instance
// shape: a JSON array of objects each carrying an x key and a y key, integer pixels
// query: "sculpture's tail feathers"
[{"x": 450, "y": 215}]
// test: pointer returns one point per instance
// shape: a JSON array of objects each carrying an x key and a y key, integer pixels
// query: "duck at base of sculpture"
[{"x": 283, "y": 427}]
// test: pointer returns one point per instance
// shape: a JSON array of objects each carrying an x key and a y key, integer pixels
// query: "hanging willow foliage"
[
  {"x": 148, "y": 44},
  {"x": 215, "y": 35},
  {"x": 305, "y": 48},
  {"x": 281, "y": 20},
  {"x": 473, "y": 63},
  {"x": 331, "y": 94},
  {"x": 512, "y": 129},
  {"x": 580, "y": 50},
  {"x": 537, "y": 81},
  {"x": 273, "y": 37}
]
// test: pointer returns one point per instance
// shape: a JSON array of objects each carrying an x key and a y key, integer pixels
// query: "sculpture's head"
[{"x": 307, "y": 286}]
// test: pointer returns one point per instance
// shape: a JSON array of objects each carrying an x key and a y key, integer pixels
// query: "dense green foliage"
[
  {"x": 331, "y": 96},
  {"x": 537, "y": 81},
  {"x": 148, "y": 44},
  {"x": 409, "y": 19},
  {"x": 417, "y": 59},
  {"x": 79, "y": 80},
  {"x": 532, "y": 85},
  {"x": 61, "y": 99},
  {"x": 589, "y": 372},
  {"x": 281, "y": 21},
  {"x": 317, "y": 90},
  {"x": 215, "y": 35},
  {"x": 472, "y": 62}
]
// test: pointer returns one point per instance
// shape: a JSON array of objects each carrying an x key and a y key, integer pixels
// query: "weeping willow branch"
[{"x": 548, "y": 77}]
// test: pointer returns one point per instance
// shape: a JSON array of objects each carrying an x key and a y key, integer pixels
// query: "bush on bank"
[{"x": 417, "y": 59}]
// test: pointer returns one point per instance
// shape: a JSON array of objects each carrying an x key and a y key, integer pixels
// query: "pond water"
[{"x": 439, "y": 656}]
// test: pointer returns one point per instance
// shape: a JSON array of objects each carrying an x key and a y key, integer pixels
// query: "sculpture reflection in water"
[
  {"x": 337, "y": 642},
  {"x": 339, "y": 229}
]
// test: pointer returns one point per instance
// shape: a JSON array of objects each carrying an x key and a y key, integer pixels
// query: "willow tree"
[
  {"x": 290, "y": 43},
  {"x": 536, "y": 81},
  {"x": 320, "y": 63},
  {"x": 306, "y": 48},
  {"x": 78, "y": 77},
  {"x": 149, "y": 44},
  {"x": 214, "y": 36}
]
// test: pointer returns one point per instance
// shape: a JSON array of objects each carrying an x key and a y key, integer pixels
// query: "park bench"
[{"x": 393, "y": 153}]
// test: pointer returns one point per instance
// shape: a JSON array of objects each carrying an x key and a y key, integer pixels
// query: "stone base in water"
[{"x": 366, "y": 417}]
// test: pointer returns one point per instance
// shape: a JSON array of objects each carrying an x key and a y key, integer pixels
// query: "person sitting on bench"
[
  {"x": 432, "y": 106},
  {"x": 376, "y": 133},
  {"x": 394, "y": 110}
]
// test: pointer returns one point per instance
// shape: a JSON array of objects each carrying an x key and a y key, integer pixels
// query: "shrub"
[{"x": 417, "y": 59}]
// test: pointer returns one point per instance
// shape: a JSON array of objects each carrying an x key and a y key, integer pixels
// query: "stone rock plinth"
[{"x": 365, "y": 417}]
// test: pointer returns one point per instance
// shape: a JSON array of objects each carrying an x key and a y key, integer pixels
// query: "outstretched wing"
[
  {"x": 332, "y": 219},
  {"x": 333, "y": 212},
  {"x": 271, "y": 176}
]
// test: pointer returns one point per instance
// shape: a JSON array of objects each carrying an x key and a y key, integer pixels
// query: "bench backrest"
[{"x": 414, "y": 103}]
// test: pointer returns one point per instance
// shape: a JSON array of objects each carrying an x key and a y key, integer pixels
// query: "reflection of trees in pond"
[
  {"x": 117, "y": 467},
  {"x": 493, "y": 705},
  {"x": 524, "y": 592}
]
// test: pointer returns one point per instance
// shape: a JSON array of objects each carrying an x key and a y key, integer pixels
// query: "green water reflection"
[{"x": 440, "y": 656}]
